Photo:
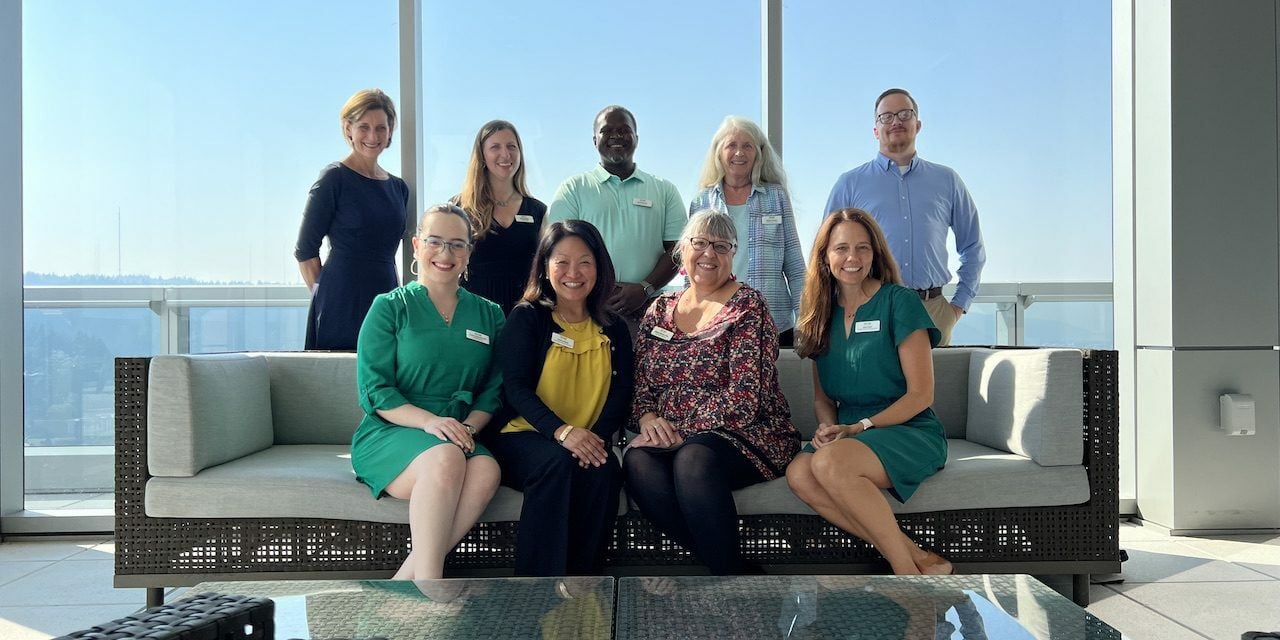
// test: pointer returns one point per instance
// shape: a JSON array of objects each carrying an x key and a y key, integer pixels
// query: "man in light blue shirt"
[
  {"x": 916, "y": 203},
  {"x": 639, "y": 216}
]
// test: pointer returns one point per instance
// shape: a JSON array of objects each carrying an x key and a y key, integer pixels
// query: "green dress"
[
  {"x": 407, "y": 354},
  {"x": 862, "y": 374}
]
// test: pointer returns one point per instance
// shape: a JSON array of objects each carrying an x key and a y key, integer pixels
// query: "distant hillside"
[{"x": 79, "y": 279}]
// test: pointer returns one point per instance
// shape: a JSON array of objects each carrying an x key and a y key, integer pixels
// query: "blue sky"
[{"x": 204, "y": 123}]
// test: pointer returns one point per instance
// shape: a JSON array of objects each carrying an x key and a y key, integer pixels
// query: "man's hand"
[
  {"x": 627, "y": 299},
  {"x": 958, "y": 310}
]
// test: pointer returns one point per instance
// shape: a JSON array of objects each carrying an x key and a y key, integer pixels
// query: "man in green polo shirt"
[{"x": 640, "y": 216}]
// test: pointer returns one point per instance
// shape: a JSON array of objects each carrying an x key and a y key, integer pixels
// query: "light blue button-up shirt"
[{"x": 916, "y": 209}]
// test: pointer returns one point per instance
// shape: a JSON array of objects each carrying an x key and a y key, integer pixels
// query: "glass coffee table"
[
  {"x": 871, "y": 607},
  {"x": 515, "y": 608},
  {"x": 978, "y": 607}
]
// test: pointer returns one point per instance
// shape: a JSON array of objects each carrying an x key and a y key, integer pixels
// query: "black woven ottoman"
[{"x": 206, "y": 616}]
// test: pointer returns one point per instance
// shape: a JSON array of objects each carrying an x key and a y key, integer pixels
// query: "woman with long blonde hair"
[{"x": 505, "y": 217}]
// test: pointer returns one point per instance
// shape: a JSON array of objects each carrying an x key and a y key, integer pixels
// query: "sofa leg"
[
  {"x": 1080, "y": 589},
  {"x": 155, "y": 596}
]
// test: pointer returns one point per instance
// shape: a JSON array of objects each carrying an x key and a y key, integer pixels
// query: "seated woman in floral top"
[{"x": 708, "y": 407}]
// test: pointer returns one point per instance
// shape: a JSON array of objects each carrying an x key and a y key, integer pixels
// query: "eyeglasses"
[
  {"x": 436, "y": 243},
  {"x": 906, "y": 115},
  {"x": 719, "y": 246}
]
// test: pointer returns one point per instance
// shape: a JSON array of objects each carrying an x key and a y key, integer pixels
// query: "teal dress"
[
  {"x": 862, "y": 374},
  {"x": 407, "y": 354}
]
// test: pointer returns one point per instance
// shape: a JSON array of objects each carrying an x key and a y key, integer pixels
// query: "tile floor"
[{"x": 1173, "y": 587}]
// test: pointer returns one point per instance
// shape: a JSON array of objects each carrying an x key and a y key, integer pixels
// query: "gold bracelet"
[{"x": 564, "y": 433}]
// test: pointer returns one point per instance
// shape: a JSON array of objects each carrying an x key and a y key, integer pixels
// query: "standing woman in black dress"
[
  {"x": 506, "y": 218},
  {"x": 362, "y": 209}
]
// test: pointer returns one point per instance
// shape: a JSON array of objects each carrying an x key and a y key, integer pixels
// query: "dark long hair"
[
  {"x": 813, "y": 327},
  {"x": 539, "y": 290}
]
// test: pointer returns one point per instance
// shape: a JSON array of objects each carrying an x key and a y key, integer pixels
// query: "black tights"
[{"x": 687, "y": 493}]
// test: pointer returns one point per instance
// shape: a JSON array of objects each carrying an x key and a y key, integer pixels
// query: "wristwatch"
[
  {"x": 648, "y": 288},
  {"x": 866, "y": 424}
]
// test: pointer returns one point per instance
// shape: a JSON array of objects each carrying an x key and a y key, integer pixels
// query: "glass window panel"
[
  {"x": 680, "y": 67},
  {"x": 1085, "y": 324},
  {"x": 173, "y": 144},
  {"x": 1016, "y": 97},
  {"x": 982, "y": 325}
]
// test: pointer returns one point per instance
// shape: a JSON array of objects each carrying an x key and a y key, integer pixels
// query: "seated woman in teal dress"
[
  {"x": 870, "y": 339},
  {"x": 427, "y": 383}
]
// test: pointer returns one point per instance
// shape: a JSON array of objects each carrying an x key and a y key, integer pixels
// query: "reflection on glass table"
[
  {"x": 977, "y": 607},
  {"x": 516, "y": 608}
]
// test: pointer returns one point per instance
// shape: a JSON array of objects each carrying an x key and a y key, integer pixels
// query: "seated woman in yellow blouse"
[{"x": 567, "y": 379}]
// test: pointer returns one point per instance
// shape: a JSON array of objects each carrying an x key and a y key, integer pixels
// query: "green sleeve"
[
  {"x": 490, "y": 397},
  {"x": 909, "y": 315},
  {"x": 376, "y": 358},
  {"x": 564, "y": 206}
]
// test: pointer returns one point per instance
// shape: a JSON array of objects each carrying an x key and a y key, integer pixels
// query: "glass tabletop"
[
  {"x": 455, "y": 608},
  {"x": 880, "y": 607}
]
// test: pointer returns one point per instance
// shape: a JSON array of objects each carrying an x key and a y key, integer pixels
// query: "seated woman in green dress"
[
  {"x": 427, "y": 383},
  {"x": 870, "y": 339}
]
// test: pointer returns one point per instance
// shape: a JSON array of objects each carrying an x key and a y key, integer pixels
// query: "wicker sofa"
[{"x": 235, "y": 467}]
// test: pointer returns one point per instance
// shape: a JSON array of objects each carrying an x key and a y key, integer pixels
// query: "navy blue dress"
[{"x": 364, "y": 220}]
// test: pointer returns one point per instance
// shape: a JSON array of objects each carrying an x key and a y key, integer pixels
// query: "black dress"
[
  {"x": 364, "y": 220},
  {"x": 501, "y": 262}
]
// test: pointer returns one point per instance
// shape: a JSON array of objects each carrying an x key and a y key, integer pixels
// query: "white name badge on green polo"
[
  {"x": 866, "y": 326},
  {"x": 642, "y": 202},
  {"x": 477, "y": 336}
]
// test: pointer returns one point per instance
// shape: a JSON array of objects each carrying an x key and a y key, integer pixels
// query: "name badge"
[
  {"x": 642, "y": 202},
  {"x": 524, "y": 218},
  {"x": 562, "y": 340},
  {"x": 662, "y": 334},
  {"x": 477, "y": 336},
  {"x": 771, "y": 219},
  {"x": 866, "y": 326}
]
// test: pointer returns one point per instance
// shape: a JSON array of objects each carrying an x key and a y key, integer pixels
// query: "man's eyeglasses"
[
  {"x": 436, "y": 243},
  {"x": 906, "y": 115},
  {"x": 719, "y": 246}
]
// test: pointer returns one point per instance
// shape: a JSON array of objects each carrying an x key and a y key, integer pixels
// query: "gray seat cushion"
[
  {"x": 975, "y": 477},
  {"x": 205, "y": 410},
  {"x": 293, "y": 481},
  {"x": 313, "y": 397},
  {"x": 1028, "y": 401}
]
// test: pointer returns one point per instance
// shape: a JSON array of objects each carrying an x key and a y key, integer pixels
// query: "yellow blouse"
[{"x": 575, "y": 376}]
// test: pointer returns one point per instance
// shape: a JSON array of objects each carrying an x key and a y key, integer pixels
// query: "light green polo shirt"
[{"x": 634, "y": 216}]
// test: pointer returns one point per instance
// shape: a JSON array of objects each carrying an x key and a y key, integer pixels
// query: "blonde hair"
[
  {"x": 768, "y": 167},
  {"x": 476, "y": 197},
  {"x": 364, "y": 101},
  {"x": 813, "y": 327}
]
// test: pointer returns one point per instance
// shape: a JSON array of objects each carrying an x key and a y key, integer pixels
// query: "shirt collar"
[
  {"x": 601, "y": 176},
  {"x": 886, "y": 163},
  {"x": 719, "y": 188}
]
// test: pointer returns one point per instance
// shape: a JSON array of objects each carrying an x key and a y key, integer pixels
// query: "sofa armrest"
[
  {"x": 203, "y": 410},
  {"x": 1029, "y": 402}
]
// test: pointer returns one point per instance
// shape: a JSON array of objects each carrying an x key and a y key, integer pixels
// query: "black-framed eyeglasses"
[
  {"x": 436, "y": 243},
  {"x": 906, "y": 115},
  {"x": 719, "y": 246}
]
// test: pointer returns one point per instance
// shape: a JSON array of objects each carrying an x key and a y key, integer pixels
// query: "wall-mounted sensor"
[{"x": 1236, "y": 411}]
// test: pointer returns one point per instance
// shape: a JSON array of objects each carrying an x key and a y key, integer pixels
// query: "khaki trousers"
[{"x": 943, "y": 315}]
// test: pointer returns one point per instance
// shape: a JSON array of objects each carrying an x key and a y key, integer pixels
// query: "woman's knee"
[{"x": 800, "y": 476}]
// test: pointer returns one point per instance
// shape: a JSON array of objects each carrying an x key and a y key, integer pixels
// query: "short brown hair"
[{"x": 366, "y": 100}]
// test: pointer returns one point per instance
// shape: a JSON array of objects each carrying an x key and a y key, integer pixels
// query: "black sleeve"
[
  {"x": 522, "y": 350},
  {"x": 317, "y": 215},
  {"x": 617, "y": 405}
]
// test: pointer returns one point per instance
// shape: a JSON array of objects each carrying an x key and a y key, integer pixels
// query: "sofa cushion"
[
  {"x": 313, "y": 397},
  {"x": 976, "y": 477},
  {"x": 795, "y": 376},
  {"x": 204, "y": 410},
  {"x": 1028, "y": 401},
  {"x": 293, "y": 481},
  {"x": 951, "y": 388}
]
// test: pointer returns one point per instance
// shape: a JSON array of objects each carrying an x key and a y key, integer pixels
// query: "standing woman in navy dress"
[
  {"x": 362, "y": 210},
  {"x": 506, "y": 218}
]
